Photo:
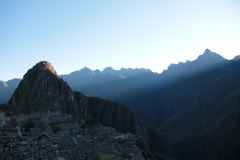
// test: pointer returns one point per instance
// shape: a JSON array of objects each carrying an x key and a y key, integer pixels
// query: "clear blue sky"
[{"x": 125, "y": 33}]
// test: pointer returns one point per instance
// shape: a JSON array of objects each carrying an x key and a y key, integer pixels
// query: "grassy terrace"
[{"x": 105, "y": 155}]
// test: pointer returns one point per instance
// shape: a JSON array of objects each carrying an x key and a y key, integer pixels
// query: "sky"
[{"x": 126, "y": 33}]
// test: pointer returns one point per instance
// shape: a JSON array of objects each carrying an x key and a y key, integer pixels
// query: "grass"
[{"x": 105, "y": 155}]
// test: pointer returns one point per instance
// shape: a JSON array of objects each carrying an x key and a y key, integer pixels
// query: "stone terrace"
[{"x": 68, "y": 141}]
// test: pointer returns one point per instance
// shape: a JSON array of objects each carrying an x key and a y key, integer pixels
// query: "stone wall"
[{"x": 14, "y": 147}]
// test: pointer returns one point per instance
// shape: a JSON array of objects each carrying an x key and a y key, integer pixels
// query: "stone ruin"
[
  {"x": 15, "y": 147},
  {"x": 70, "y": 143}
]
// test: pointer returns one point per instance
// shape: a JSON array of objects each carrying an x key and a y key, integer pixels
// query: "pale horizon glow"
[{"x": 119, "y": 34}]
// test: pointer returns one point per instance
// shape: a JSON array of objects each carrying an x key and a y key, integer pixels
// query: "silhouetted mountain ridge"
[
  {"x": 116, "y": 85},
  {"x": 191, "y": 103}
]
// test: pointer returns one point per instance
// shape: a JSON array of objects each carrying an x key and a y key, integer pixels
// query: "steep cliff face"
[
  {"x": 109, "y": 113},
  {"x": 41, "y": 89}
]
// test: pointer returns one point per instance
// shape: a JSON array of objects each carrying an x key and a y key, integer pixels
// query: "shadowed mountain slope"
[
  {"x": 229, "y": 146},
  {"x": 195, "y": 120},
  {"x": 41, "y": 89},
  {"x": 197, "y": 105},
  {"x": 127, "y": 86},
  {"x": 191, "y": 103}
]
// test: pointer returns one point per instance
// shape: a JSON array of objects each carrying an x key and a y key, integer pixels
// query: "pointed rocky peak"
[
  {"x": 84, "y": 72},
  {"x": 41, "y": 89},
  {"x": 86, "y": 69},
  {"x": 207, "y": 51},
  {"x": 209, "y": 55}
]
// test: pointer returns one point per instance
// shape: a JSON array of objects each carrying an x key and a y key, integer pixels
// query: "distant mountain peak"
[
  {"x": 86, "y": 68},
  {"x": 97, "y": 71},
  {"x": 176, "y": 65},
  {"x": 237, "y": 59},
  {"x": 209, "y": 55},
  {"x": 123, "y": 68},
  {"x": 82, "y": 72},
  {"x": 207, "y": 51},
  {"x": 87, "y": 71},
  {"x": 172, "y": 65},
  {"x": 108, "y": 69}
]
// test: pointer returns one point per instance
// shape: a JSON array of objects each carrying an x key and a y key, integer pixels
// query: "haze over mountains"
[
  {"x": 7, "y": 88},
  {"x": 191, "y": 104}
]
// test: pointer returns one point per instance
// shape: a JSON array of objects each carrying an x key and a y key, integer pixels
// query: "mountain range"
[
  {"x": 42, "y": 90},
  {"x": 191, "y": 104}
]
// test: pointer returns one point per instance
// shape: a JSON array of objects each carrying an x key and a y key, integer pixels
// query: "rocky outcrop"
[{"x": 41, "y": 90}]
